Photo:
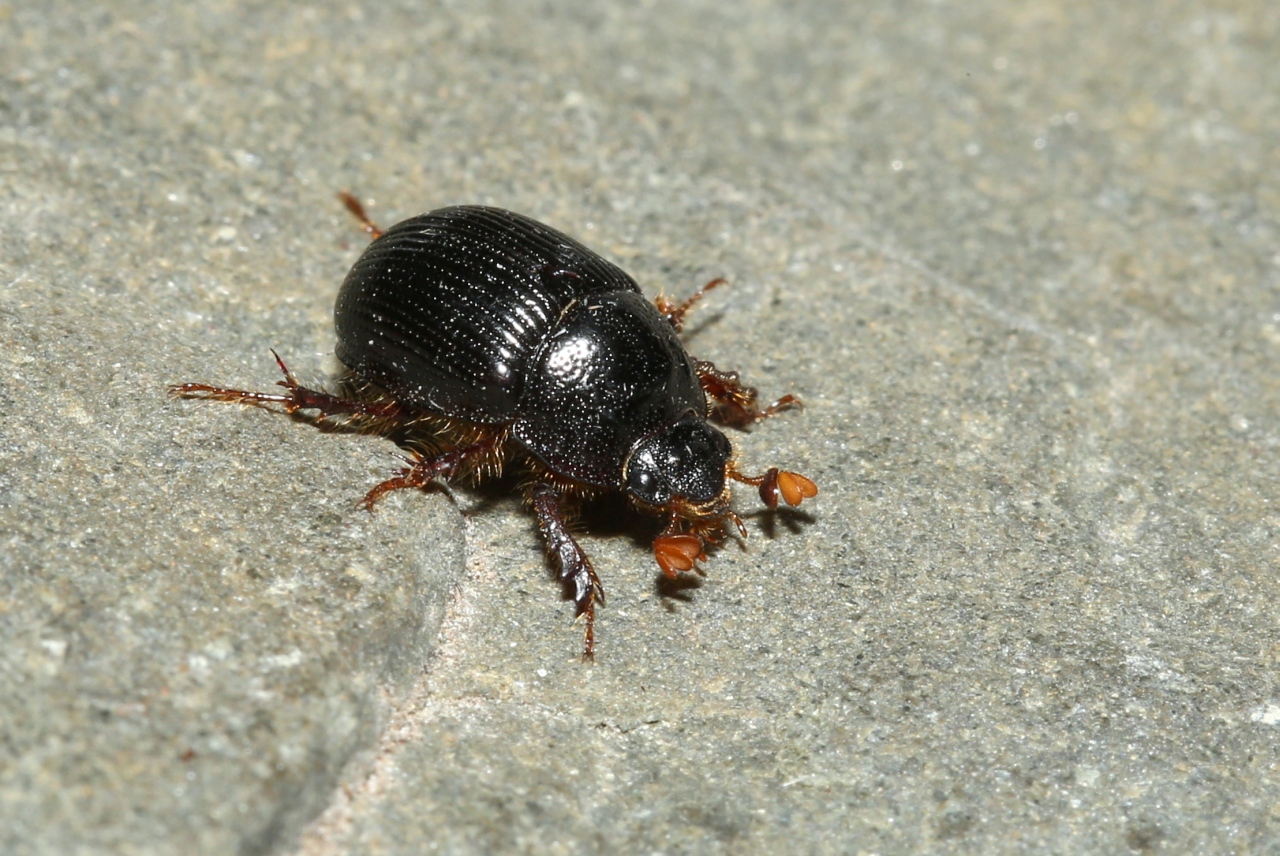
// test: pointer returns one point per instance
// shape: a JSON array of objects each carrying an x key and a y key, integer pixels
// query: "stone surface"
[{"x": 1020, "y": 260}]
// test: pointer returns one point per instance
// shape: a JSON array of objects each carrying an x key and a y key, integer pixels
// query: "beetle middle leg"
[
  {"x": 675, "y": 312},
  {"x": 572, "y": 563},
  {"x": 425, "y": 469},
  {"x": 736, "y": 403}
]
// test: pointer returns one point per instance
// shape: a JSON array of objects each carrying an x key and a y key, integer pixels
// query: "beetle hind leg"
[
  {"x": 295, "y": 397},
  {"x": 353, "y": 205},
  {"x": 736, "y": 403},
  {"x": 572, "y": 563}
]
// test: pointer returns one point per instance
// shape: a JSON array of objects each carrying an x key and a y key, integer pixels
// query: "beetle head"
[{"x": 684, "y": 464}]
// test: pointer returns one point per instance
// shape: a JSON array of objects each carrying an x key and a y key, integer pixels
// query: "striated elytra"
[{"x": 500, "y": 342}]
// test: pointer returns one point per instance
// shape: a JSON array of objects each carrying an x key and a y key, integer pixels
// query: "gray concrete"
[{"x": 1021, "y": 260}]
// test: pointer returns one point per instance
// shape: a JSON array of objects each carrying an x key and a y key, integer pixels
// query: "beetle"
[{"x": 504, "y": 343}]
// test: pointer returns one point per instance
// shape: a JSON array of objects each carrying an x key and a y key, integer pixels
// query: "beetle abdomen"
[{"x": 446, "y": 309}]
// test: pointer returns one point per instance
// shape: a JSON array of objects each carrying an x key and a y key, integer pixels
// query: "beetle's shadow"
[
  {"x": 412, "y": 439},
  {"x": 407, "y": 437},
  {"x": 793, "y": 519},
  {"x": 610, "y": 515},
  {"x": 490, "y": 493},
  {"x": 691, "y": 331},
  {"x": 614, "y": 516}
]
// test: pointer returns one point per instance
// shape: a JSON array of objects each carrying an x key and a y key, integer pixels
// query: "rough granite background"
[{"x": 1021, "y": 260}]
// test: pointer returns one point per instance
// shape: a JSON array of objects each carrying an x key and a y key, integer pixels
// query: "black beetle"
[{"x": 506, "y": 343}]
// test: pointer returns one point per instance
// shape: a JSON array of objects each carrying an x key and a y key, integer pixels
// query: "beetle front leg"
[
  {"x": 572, "y": 563},
  {"x": 735, "y": 402},
  {"x": 295, "y": 398}
]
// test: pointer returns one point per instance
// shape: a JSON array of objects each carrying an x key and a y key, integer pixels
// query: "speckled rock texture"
[{"x": 1020, "y": 259}]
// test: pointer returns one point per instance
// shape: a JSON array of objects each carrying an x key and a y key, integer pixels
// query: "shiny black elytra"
[{"x": 503, "y": 342}]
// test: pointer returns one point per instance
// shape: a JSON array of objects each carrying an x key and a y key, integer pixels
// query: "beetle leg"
[
  {"x": 572, "y": 562},
  {"x": 792, "y": 488},
  {"x": 675, "y": 312},
  {"x": 735, "y": 402},
  {"x": 357, "y": 210},
  {"x": 678, "y": 552},
  {"x": 425, "y": 470},
  {"x": 297, "y": 397}
]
